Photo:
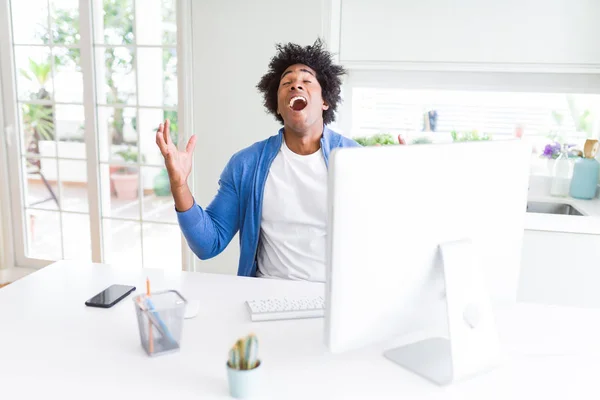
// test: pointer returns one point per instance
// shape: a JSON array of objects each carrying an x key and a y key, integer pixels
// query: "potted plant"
[
  {"x": 471, "y": 136},
  {"x": 125, "y": 179},
  {"x": 553, "y": 150},
  {"x": 380, "y": 139}
]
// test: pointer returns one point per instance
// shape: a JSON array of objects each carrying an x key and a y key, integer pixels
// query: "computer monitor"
[{"x": 423, "y": 234}]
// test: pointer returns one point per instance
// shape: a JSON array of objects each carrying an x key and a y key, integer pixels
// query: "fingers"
[
  {"x": 160, "y": 140},
  {"x": 167, "y": 132},
  {"x": 191, "y": 145},
  {"x": 401, "y": 139}
]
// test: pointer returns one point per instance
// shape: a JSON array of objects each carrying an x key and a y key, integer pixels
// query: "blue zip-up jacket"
[{"x": 238, "y": 202}]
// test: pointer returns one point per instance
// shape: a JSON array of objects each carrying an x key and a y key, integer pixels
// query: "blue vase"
[{"x": 585, "y": 178}]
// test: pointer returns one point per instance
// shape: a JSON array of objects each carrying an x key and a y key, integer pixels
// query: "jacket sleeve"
[{"x": 209, "y": 231}]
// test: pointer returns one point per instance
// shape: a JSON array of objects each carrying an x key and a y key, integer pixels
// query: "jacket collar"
[{"x": 329, "y": 140}]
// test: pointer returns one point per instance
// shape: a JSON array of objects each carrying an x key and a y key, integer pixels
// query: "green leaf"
[
  {"x": 471, "y": 136},
  {"x": 422, "y": 140},
  {"x": 382, "y": 139},
  {"x": 25, "y": 74},
  {"x": 38, "y": 119}
]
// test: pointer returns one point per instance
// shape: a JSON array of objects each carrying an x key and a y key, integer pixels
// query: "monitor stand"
[{"x": 472, "y": 345}]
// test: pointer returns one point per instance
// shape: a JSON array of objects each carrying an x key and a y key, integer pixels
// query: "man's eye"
[
  {"x": 307, "y": 82},
  {"x": 286, "y": 83}
]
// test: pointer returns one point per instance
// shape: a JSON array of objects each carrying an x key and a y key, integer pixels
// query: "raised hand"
[
  {"x": 178, "y": 163},
  {"x": 179, "y": 166}
]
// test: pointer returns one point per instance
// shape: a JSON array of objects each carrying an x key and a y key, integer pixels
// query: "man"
[{"x": 275, "y": 191}]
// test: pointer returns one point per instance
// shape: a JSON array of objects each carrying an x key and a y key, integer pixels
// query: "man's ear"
[{"x": 325, "y": 106}]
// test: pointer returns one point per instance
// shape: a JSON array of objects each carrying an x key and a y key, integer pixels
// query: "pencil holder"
[
  {"x": 243, "y": 382},
  {"x": 160, "y": 321}
]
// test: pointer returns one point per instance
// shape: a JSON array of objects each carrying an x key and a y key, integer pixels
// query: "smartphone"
[{"x": 110, "y": 296}]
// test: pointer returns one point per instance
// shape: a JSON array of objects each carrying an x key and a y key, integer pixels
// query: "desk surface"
[{"x": 52, "y": 344}]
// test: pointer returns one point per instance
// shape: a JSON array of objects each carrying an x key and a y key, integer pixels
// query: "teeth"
[{"x": 293, "y": 100}]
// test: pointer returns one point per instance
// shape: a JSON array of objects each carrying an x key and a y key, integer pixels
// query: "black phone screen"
[{"x": 110, "y": 296}]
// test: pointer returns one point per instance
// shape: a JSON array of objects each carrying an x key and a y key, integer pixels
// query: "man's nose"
[{"x": 297, "y": 87}]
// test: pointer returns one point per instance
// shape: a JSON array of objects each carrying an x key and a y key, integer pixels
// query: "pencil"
[
  {"x": 157, "y": 321},
  {"x": 150, "y": 339}
]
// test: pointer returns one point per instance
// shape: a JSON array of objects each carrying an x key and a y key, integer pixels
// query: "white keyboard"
[{"x": 286, "y": 308}]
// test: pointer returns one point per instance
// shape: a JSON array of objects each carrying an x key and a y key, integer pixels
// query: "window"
[
  {"x": 127, "y": 51},
  {"x": 425, "y": 116}
]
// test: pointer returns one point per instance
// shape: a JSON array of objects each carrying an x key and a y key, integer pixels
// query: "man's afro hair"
[{"x": 314, "y": 56}]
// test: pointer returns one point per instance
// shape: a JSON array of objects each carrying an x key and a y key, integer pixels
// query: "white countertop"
[
  {"x": 589, "y": 223},
  {"x": 55, "y": 346}
]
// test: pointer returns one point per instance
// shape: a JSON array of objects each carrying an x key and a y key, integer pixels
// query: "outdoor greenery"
[
  {"x": 118, "y": 30},
  {"x": 422, "y": 140},
  {"x": 582, "y": 119},
  {"x": 470, "y": 136},
  {"x": 130, "y": 155},
  {"x": 38, "y": 119},
  {"x": 382, "y": 139}
]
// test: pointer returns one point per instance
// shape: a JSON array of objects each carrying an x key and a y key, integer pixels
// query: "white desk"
[{"x": 53, "y": 346}]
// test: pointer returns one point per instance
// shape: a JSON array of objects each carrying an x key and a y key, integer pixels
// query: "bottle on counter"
[
  {"x": 586, "y": 173},
  {"x": 561, "y": 175}
]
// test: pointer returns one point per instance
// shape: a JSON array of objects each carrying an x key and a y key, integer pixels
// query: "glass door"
[{"x": 91, "y": 81}]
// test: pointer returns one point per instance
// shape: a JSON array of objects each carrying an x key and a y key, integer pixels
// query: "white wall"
[{"x": 233, "y": 42}]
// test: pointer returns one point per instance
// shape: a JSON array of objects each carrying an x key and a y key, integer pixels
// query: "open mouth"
[{"x": 298, "y": 103}]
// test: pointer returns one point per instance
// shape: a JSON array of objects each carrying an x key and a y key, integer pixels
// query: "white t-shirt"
[{"x": 293, "y": 225}]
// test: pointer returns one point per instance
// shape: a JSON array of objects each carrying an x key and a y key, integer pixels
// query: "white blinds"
[{"x": 377, "y": 110}]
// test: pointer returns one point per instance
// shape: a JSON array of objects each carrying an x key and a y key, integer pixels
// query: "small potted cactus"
[{"x": 243, "y": 366}]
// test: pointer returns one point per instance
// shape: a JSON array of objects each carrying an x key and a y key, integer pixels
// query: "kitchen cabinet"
[
  {"x": 532, "y": 34},
  {"x": 560, "y": 269}
]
